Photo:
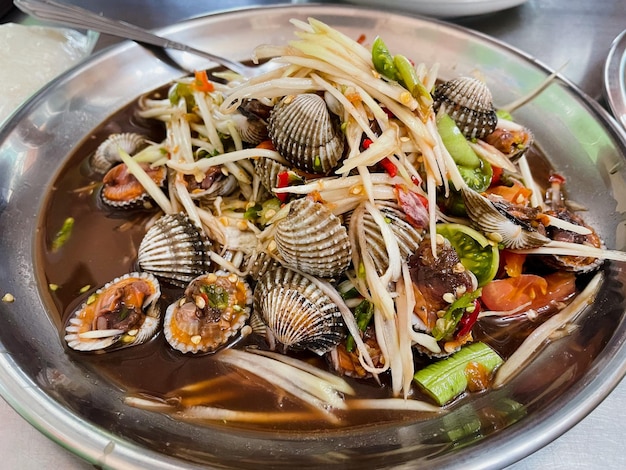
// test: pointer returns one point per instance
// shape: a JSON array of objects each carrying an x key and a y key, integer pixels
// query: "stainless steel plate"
[{"x": 85, "y": 413}]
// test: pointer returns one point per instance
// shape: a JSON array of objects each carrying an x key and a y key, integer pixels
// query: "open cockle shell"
[
  {"x": 124, "y": 312},
  {"x": 213, "y": 310},
  {"x": 498, "y": 225},
  {"x": 469, "y": 102},
  {"x": 297, "y": 313},
  {"x": 305, "y": 133},
  {"x": 175, "y": 250},
  {"x": 121, "y": 190},
  {"x": 313, "y": 239},
  {"x": 108, "y": 152},
  {"x": 222, "y": 185}
]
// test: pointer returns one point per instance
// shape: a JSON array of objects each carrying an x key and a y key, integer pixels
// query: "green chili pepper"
[
  {"x": 63, "y": 235},
  {"x": 406, "y": 72},
  {"x": 262, "y": 213},
  {"x": 351, "y": 293},
  {"x": 268, "y": 210},
  {"x": 383, "y": 61},
  {"x": 182, "y": 90},
  {"x": 475, "y": 171},
  {"x": 217, "y": 296},
  {"x": 363, "y": 313},
  {"x": 455, "y": 143},
  {"x": 252, "y": 213},
  {"x": 445, "y": 325}
]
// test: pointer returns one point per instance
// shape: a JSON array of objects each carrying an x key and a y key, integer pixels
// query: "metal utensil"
[{"x": 74, "y": 16}]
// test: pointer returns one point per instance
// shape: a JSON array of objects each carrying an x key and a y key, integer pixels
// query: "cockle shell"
[
  {"x": 313, "y": 239},
  {"x": 221, "y": 185},
  {"x": 576, "y": 264},
  {"x": 499, "y": 225},
  {"x": 407, "y": 235},
  {"x": 250, "y": 129},
  {"x": 175, "y": 250},
  {"x": 107, "y": 154},
  {"x": 254, "y": 129},
  {"x": 469, "y": 102},
  {"x": 122, "y": 191},
  {"x": 258, "y": 264},
  {"x": 297, "y": 313},
  {"x": 305, "y": 133},
  {"x": 268, "y": 170},
  {"x": 124, "y": 312},
  {"x": 213, "y": 310},
  {"x": 512, "y": 142}
]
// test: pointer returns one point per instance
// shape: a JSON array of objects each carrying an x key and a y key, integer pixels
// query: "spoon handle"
[{"x": 74, "y": 16}]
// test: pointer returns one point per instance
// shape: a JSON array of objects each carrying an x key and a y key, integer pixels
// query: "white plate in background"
[{"x": 443, "y": 8}]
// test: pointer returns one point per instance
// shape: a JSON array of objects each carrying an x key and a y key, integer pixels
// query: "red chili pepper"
[
  {"x": 467, "y": 321},
  {"x": 556, "y": 178},
  {"x": 201, "y": 82},
  {"x": 389, "y": 167},
  {"x": 366, "y": 143},
  {"x": 497, "y": 174},
  {"x": 389, "y": 114},
  {"x": 416, "y": 181},
  {"x": 283, "y": 182},
  {"x": 361, "y": 39}
]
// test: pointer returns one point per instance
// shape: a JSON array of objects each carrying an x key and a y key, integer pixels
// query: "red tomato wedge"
[{"x": 539, "y": 291}]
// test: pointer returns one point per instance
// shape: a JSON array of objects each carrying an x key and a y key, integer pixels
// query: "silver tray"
[{"x": 85, "y": 413}]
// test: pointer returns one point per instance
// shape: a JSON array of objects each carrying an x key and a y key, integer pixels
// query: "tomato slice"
[
  {"x": 516, "y": 194},
  {"x": 537, "y": 291},
  {"x": 476, "y": 253}
]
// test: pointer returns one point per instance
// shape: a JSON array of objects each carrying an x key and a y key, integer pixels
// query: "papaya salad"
[{"x": 347, "y": 218}]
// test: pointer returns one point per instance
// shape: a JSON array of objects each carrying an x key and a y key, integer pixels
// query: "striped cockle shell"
[
  {"x": 407, "y": 235},
  {"x": 258, "y": 264},
  {"x": 498, "y": 225},
  {"x": 469, "y": 102},
  {"x": 256, "y": 113},
  {"x": 107, "y": 154},
  {"x": 212, "y": 312},
  {"x": 110, "y": 319},
  {"x": 311, "y": 238},
  {"x": 175, "y": 250},
  {"x": 305, "y": 133},
  {"x": 250, "y": 129},
  {"x": 268, "y": 170},
  {"x": 297, "y": 313}
]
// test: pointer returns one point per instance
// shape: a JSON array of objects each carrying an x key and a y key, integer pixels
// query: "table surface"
[{"x": 576, "y": 34}]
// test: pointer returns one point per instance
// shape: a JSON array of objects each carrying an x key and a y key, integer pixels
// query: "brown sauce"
[{"x": 103, "y": 246}]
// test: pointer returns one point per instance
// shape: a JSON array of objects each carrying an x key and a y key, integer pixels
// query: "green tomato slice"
[{"x": 476, "y": 253}]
